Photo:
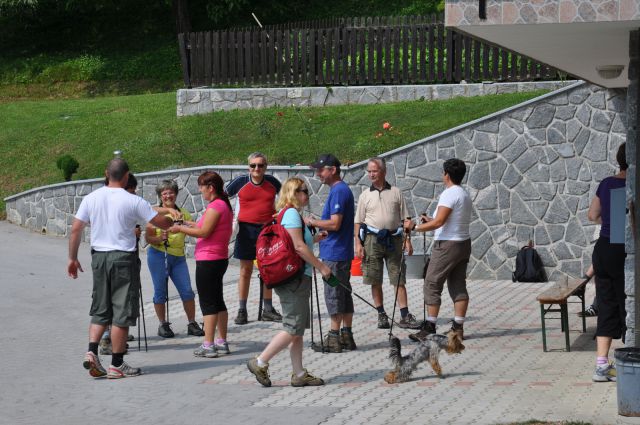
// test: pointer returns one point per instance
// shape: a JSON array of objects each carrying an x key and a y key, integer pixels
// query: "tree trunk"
[{"x": 181, "y": 15}]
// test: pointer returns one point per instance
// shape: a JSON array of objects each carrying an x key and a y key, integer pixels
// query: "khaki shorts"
[
  {"x": 448, "y": 263},
  {"x": 375, "y": 254},
  {"x": 294, "y": 300},
  {"x": 116, "y": 288}
]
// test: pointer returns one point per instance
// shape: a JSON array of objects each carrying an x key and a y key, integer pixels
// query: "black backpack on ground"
[{"x": 529, "y": 267}]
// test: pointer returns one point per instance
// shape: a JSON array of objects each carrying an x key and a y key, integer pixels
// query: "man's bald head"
[{"x": 117, "y": 169}]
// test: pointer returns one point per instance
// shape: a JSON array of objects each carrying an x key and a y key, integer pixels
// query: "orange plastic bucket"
[{"x": 356, "y": 266}]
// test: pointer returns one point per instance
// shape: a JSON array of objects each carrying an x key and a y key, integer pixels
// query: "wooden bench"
[{"x": 558, "y": 295}]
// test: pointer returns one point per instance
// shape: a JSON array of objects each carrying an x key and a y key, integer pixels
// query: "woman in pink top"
[{"x": 213, "y": 231}]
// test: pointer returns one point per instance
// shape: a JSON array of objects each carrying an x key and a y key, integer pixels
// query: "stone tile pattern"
[
  {"x": 533, "y": 170},
  {"x": 465, "y": 12},
  {"x": 204, "y": 100}
]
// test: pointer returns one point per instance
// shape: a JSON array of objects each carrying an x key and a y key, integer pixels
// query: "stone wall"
[
  {"x": 465, "y": 12},
  {"x": 533, "y": 169},
  {"x": 204, "y": 100}
]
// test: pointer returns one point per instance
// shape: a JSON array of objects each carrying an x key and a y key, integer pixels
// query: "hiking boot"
[
  {"x": 271, "y": 315},
  {"x": 105, "y": 347},
  {"x": 347, "y": 342},
  {"x": 194, "y": 329},
  {"x": 208, "y": 352},
  {"x": 242, "y": 318},
  {"x": 410, "y": 322},
  {"x": 591, "y": 311},
  {"x": 605, "y": 373},
  {"x": 165, "y": 331},
  {"x": 106, "y": 350},
  {"x": 223, "y": 348},
  {"x": 457, "y": 328},
  {"x": 428, "y": 328},
  {"x": 305, "y": 380},
  {"x": 261, "y": 373},
  {"x": 383, "y": 321},
  {"x": 333, "y": 343},
  {"x": 123, "y": 371},
  {"x": 92, "y": 364}
]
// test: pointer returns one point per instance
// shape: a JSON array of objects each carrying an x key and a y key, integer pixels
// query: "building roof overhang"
[{"x": 573, "y": 41}]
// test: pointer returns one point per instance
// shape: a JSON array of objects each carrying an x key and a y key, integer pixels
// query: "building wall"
[
  {"x": 533, "y": 170},
  {"x": 465, "y": 12},
  {"x": 632, "y": 264}
]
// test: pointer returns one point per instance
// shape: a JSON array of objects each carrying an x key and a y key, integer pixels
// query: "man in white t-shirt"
[
  {"x": 451, "y": 250},
  {"x": 112, "y": 213}
]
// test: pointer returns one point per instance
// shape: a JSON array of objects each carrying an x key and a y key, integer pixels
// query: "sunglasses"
[
  {"x": 252, "y": 166},
  {"x": 305, "y": 191}
]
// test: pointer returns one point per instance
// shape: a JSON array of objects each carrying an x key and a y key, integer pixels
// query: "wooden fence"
[
  {"x": 353, "y": 22},
  {"x": 369, "y": 55}
]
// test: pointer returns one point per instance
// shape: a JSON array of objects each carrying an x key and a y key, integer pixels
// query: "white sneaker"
[
  {"x": 605, "y": 373},
  {"x": 123, "y": 371}
]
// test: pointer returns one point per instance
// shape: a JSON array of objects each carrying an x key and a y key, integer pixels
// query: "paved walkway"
[{"x": 502, "y": 376}]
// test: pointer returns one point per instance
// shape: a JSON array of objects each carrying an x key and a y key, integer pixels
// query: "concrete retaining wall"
[{"x": 204, "y": 100}]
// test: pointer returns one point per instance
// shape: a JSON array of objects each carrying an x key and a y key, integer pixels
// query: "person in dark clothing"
[{"x": 608, "y": 264}]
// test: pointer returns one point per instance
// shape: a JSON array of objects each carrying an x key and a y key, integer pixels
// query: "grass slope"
[{"x": 35, "y": 133}]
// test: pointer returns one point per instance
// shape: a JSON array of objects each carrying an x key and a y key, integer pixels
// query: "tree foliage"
[{"x": 29, "y": 26}]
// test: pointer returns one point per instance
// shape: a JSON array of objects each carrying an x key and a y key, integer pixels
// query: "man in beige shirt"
[{"x": 379, "y": 237}]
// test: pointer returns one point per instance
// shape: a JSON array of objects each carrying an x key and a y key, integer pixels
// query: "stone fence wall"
[
  {"x": 204, "y": 100},
  {"x": 533, "y": 169}
]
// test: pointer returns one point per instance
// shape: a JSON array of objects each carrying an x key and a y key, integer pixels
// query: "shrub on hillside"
[{"x": 69, "y": 165}]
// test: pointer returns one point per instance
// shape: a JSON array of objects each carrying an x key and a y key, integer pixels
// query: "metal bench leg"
[
  {"x": 544, "y": 330},
  {"x": 584, "y": 319},
  {"x": 564, "y": 318}
]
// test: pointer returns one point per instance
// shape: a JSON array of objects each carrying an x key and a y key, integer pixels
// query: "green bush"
[
  {"x": 82, "y": 68},
  {"x": 69, "y": 165}
]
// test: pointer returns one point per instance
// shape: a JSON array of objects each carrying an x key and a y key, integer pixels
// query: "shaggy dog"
[{"x": 428, "y": 350}]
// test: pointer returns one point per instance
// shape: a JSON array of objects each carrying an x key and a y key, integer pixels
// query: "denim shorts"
[
  {"x": 178, "y": 272},
  {"x": 339, "y": 299}
]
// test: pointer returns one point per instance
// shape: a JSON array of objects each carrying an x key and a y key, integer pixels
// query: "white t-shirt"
[
  {"x": 113, "y": 214},
  {"x": 456, "y": 228}
]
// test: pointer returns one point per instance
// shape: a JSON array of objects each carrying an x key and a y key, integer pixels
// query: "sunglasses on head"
[
  {"x": 305, "y": 191},
  {"x": 257, "y": 165}
]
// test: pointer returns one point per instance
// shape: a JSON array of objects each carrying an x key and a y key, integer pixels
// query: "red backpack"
[{"x": 278, "y": 261}]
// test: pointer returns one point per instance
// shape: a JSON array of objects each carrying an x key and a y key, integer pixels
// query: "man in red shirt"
[{"x": 256, "y": 193}]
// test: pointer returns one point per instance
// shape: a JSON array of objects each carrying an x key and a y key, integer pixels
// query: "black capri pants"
[
  {"x": 608, "y": 266},
  {"x": 209, "y": 276}
]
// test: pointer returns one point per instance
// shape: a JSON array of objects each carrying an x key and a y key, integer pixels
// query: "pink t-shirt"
[{"x": 216, "y": 246}]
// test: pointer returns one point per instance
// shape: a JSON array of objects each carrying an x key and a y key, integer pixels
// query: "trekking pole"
[
  {"x": 166, "y": 270},
  {"x": 395, "y": 300},
  {"x": 144, "y": 325},
  {"x": 424, "y": 252},
  {"x": 315, "y": 282},
  {"x": 311, "y": 310},
  {"x": 261, "y": 297}
]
